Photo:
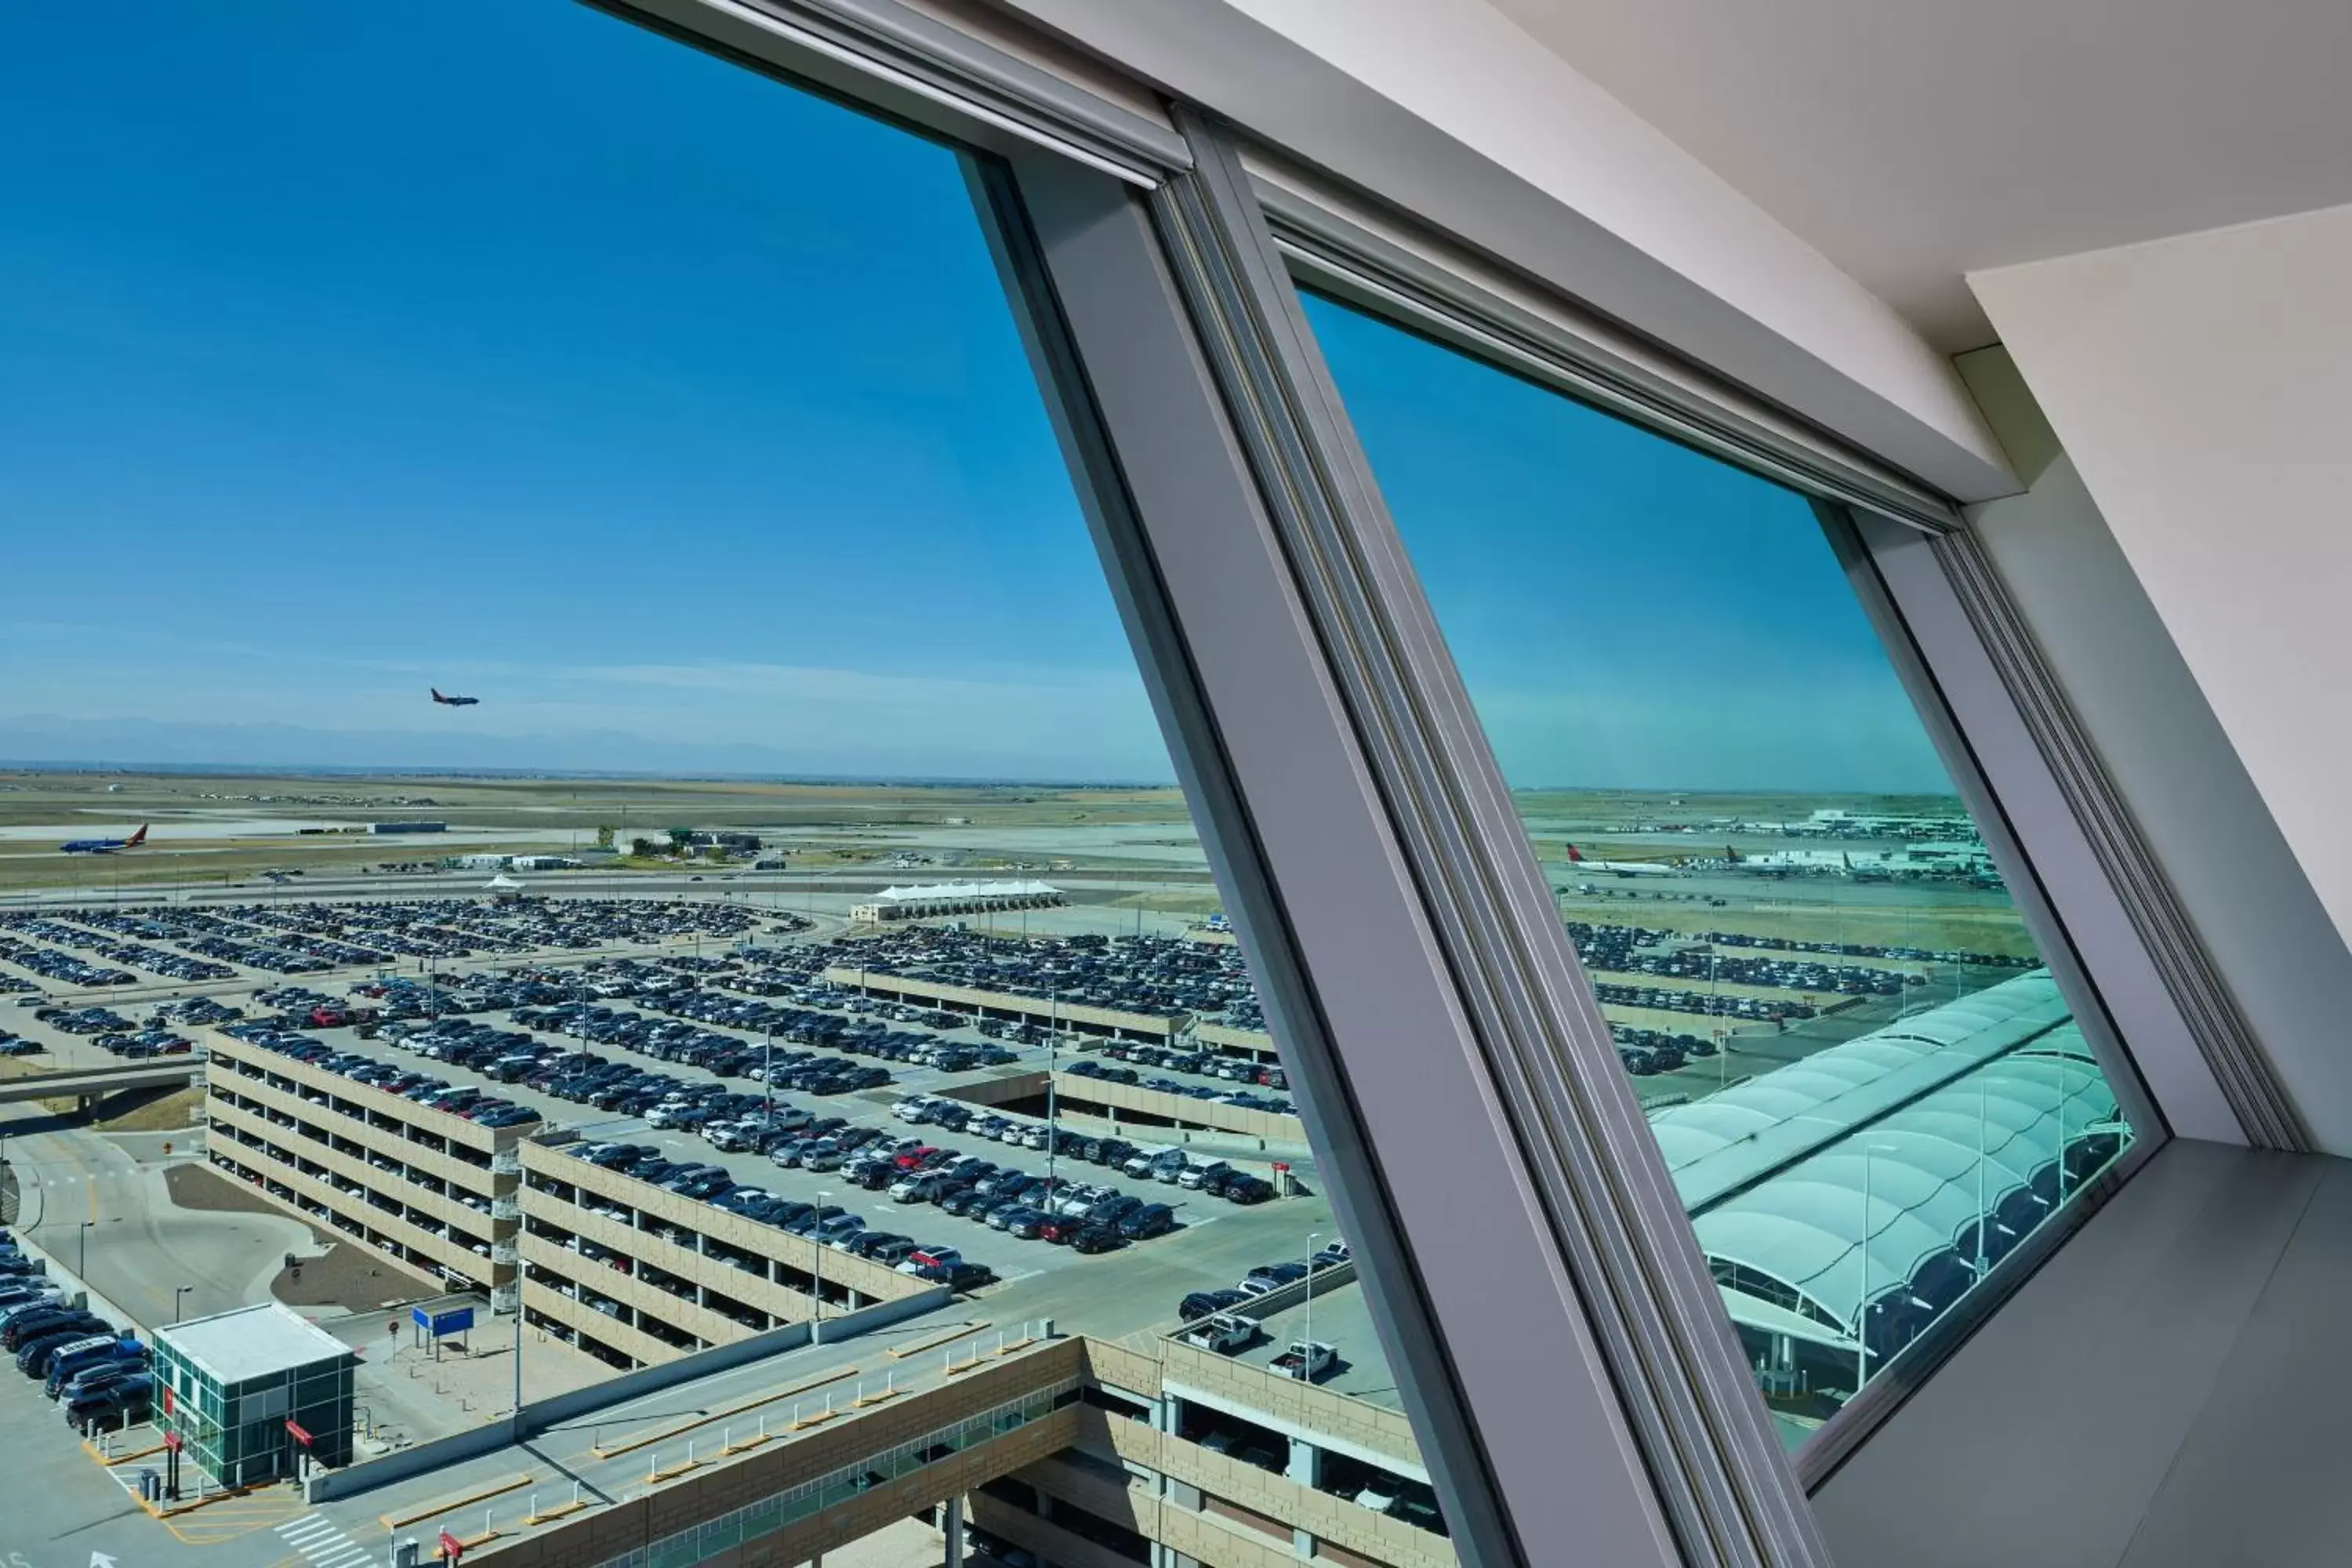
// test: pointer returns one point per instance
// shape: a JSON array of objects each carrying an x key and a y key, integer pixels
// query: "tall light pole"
[
  {"x": 1862, "y": 1316},
  {"x": 816, "y": 1320},
  {"x": 1053, "y": 1065},
  {"x": 1862, "y": 1312},
  {"x": 82, "y": 1265},
  {"x": 1307, "y": 1329},
  {"x": 1983, "y": 1219},
  {"x": 178, "y": 1291}
]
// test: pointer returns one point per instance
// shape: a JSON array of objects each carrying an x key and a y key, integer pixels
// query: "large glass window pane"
[
  {"x": 554, "y": 637},
  {"x": 1860, "y": 1073}
]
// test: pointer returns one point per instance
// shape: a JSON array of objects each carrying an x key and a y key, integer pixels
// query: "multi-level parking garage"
[
  {"x": 677, "y": 1175},
  {"x": 430, "y": 1189}
]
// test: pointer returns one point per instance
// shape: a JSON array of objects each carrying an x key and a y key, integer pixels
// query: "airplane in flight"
[
  {"x": 1622, "y": 868},
  {"x": 105, "y": 846},
  {"x": 452, "y": 701}
]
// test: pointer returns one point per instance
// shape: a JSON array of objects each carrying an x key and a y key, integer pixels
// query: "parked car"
[
  {"x": 1205, "y": 1303},
  {"x": 1308, "y": 1362},
  {"x": 1225, "y": 1333}
]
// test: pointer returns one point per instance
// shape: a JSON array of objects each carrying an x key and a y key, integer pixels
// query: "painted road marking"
[{"x": 318, "y": 1538}]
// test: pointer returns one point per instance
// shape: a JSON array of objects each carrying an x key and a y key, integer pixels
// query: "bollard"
[
  {"x": 533, "y": 1511},
  {"x": 653, "y": 1464}
]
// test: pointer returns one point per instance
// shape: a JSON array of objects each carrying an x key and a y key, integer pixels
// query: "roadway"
[
  {"x": 76, "y": 1082},
  {"x": 104, "y": 1195}
]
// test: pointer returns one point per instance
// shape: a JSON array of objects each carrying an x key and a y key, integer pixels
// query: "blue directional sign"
[{"x": 440, "y": 1325}]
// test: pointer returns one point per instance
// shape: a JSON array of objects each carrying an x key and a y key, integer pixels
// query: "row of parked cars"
[
  {"x": 1109, "y": 1074},
  {"x": 423, "y": 1088},
  {"x": 691, "y": 1045},
  {"x": 1137, "y": 974},
  {"x": 827, "y": 1226},
  {"x": 146, "y": 1043},
  {"x": 1205, "y": 1064},
  {"x": 62, "y": 968},
  {"x": 459, "y": 928},
  {"x": 96, "y": 1372},
  {"x": 81, "y": 1020},
  {"x": 1263, "y": 1279},
  {"x": 1159, "y": 1163},
  {"x": 811, "y": 1025}
]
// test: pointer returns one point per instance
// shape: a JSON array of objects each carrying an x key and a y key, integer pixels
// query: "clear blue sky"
[
  {"x": 346, "y": 349},
  {"x": 349, "y": 349},
  {"x": 1626, "y": 613}
]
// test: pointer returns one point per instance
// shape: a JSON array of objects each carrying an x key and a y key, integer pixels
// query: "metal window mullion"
[
  {"x": 2073, "y": 831},
  {"x": 2224, "y": 1038},
  {"x": 884, "y": 56},
  {"x": 1558, "y": 344},
  {"x": 1582, "y": 1144},
  {"x": 2006, "y": 819},
  {"x": 1483, "y": 1329}
]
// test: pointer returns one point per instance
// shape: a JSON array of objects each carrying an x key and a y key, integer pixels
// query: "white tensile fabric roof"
[
  {"x": 1930, "y": 1170},
  {"x": 1725, "y": 1142},
  {"x": 948, "y": 892}
]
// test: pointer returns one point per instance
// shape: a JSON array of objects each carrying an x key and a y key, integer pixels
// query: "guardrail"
[{"x": 542, "y": 1415}]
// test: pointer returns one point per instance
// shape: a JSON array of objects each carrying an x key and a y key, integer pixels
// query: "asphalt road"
[{"x": 104, "y": 1195}]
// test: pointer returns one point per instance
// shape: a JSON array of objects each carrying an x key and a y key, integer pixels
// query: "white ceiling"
[{"x": 1913, "y": 140}]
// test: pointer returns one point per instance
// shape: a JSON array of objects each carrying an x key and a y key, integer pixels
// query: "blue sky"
[
  {"x": 346, "y": 349},
  {"x": 1626, "y": 613},
  {"x": 680, "y": 416}
]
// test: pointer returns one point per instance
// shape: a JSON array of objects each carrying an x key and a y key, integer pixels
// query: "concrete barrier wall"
[
  {"x": 542, "y": 1415},
  {"x": 1037, "y": 1009},
  {"x": 1126, "y": 1100},
  {"x": 1254, "y": 1044},
  {"x": 1266, "y": 1125},
  {"x": 841, "y": 1268}
]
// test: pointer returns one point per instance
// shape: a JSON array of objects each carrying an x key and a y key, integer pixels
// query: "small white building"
[{"x": 955, "y": 899}]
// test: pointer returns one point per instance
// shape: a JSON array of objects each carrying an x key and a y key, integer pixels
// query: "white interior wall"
[
  {"x": 2200, "y": 387},
  {"x": 1447, "y": 111}
]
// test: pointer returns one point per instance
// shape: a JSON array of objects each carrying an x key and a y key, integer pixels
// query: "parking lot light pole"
[
  {"x": 1862, "y": 1316},
  {"x": 1307, "y": 1330},
  {"x": 1053, "y": 1101},
  {"x": 81, "y": 1265},
  {"x": 178, "y": 1291},
  {"x": 816, "y": 1240}
]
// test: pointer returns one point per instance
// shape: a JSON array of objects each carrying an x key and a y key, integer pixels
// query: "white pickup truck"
[
  {"x": 1222, "y": 1332},
  {"x": 1306, "y": 1362}
]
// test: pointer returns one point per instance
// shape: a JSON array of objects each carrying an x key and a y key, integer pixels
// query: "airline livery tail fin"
[
  {"x": 1575, "y": 856},
  {"x": 136, "y": 839}
]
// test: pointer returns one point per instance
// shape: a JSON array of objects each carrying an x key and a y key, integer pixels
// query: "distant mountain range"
[{"x": 49, "y": 741}]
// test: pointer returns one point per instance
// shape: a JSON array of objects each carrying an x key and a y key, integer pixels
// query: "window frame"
[{"x": 1343, "y": 786}]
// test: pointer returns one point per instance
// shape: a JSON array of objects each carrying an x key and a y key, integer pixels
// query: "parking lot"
[{"x": 478, "y": 1057}]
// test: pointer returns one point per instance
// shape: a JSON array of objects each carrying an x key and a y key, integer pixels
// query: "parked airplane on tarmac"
[
  {"x": 105, "y": 846},
  {"x": 1622, "y": 868}
]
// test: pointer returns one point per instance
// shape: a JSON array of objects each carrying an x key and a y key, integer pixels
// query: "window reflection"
[{"x": 1862, "y": 1077}]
